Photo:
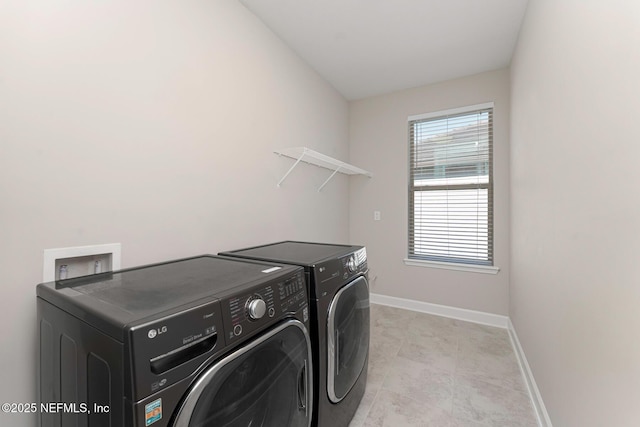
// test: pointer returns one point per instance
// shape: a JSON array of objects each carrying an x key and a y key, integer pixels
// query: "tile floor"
[{"x": 427, "y": 370}]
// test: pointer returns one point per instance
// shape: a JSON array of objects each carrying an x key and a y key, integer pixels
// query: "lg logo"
[{"x": 154, "y": 332}]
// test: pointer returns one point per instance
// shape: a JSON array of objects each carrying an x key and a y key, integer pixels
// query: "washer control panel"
[{"x": 251, "y": 310}]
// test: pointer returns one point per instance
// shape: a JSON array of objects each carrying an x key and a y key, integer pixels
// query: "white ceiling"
[{"x": 370, "y": 47}]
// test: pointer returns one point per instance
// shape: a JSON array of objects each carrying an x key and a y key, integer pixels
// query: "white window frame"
[{"x": 449, "y": 265}]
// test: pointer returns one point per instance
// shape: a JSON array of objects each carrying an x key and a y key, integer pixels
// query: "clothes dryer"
[{"x": 337, "y": 280}]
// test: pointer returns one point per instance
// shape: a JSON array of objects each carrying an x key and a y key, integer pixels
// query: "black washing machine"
[
  {"x": 198, "y": 342},
  {"x": 337, "y": 280}
]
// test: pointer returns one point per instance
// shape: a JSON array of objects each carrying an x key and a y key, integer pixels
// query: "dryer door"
[
  {"x": 347, "y": 337},
  {"x": 266, "y": 383}
]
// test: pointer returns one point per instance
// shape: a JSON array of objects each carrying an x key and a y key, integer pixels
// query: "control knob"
[
  {"x": 351, "y": 264},
  {"x": 256, "y": 308}
]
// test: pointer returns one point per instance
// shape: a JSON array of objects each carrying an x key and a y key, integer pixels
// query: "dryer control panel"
[
  {"x": 354, "y": 263},
  {"x": 245, "y": 313},
  {"x": 333, "y": 274}
]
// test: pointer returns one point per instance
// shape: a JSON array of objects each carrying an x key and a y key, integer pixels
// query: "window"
[{"x": 451, "y": 186}]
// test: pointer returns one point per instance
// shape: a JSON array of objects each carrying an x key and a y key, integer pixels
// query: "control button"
[
  {"x": 272, "y": 311},
  {"x": 237, "y": 330},
  {"x": 256, "y": 308}
]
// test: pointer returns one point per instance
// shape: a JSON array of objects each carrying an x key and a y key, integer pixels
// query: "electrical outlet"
[{"x": 376, "y": 215}]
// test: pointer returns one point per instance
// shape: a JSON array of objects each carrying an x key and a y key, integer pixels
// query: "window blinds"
[{"x": 451, "y": 188}]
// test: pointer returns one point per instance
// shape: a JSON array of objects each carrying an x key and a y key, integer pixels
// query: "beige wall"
[
  {"x": 379, "y": 143},
  {"x": 575, "y": 275},
  {"x": 151, "y": 124}
]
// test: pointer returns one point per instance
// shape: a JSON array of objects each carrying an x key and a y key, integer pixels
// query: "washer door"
[
  {"x": 266, "y": 383},
  {"x": 347, "y": 337}
]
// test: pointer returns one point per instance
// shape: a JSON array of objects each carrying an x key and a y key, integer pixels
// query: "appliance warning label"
[{"x": 153, "y": 412}]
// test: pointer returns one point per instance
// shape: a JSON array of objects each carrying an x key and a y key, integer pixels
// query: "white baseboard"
[
  {"x": 443, "y": 310},
  {"x": 484, "y": 319},
  {"x": 534, "y": 392}
]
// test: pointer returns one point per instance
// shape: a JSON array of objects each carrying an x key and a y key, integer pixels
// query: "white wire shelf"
[{"x": 304, "y": 154}]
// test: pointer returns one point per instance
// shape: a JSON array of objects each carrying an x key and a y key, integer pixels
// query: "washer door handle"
[
  {"x": 337, "y": 352},
  {"x": 303, "y": 385}
]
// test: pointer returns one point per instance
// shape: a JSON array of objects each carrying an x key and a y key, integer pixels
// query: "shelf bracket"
[
  {"x": 329, "y": 179},
  {"x": 291, "y": 168}
]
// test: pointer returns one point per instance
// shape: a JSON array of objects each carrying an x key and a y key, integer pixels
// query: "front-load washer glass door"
[
  {"x": 266, "y": 383},
  {"x": 347, "y": 337}
]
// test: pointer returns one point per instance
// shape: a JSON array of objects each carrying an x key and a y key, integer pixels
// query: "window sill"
[{"x": 485, "y": 269}]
